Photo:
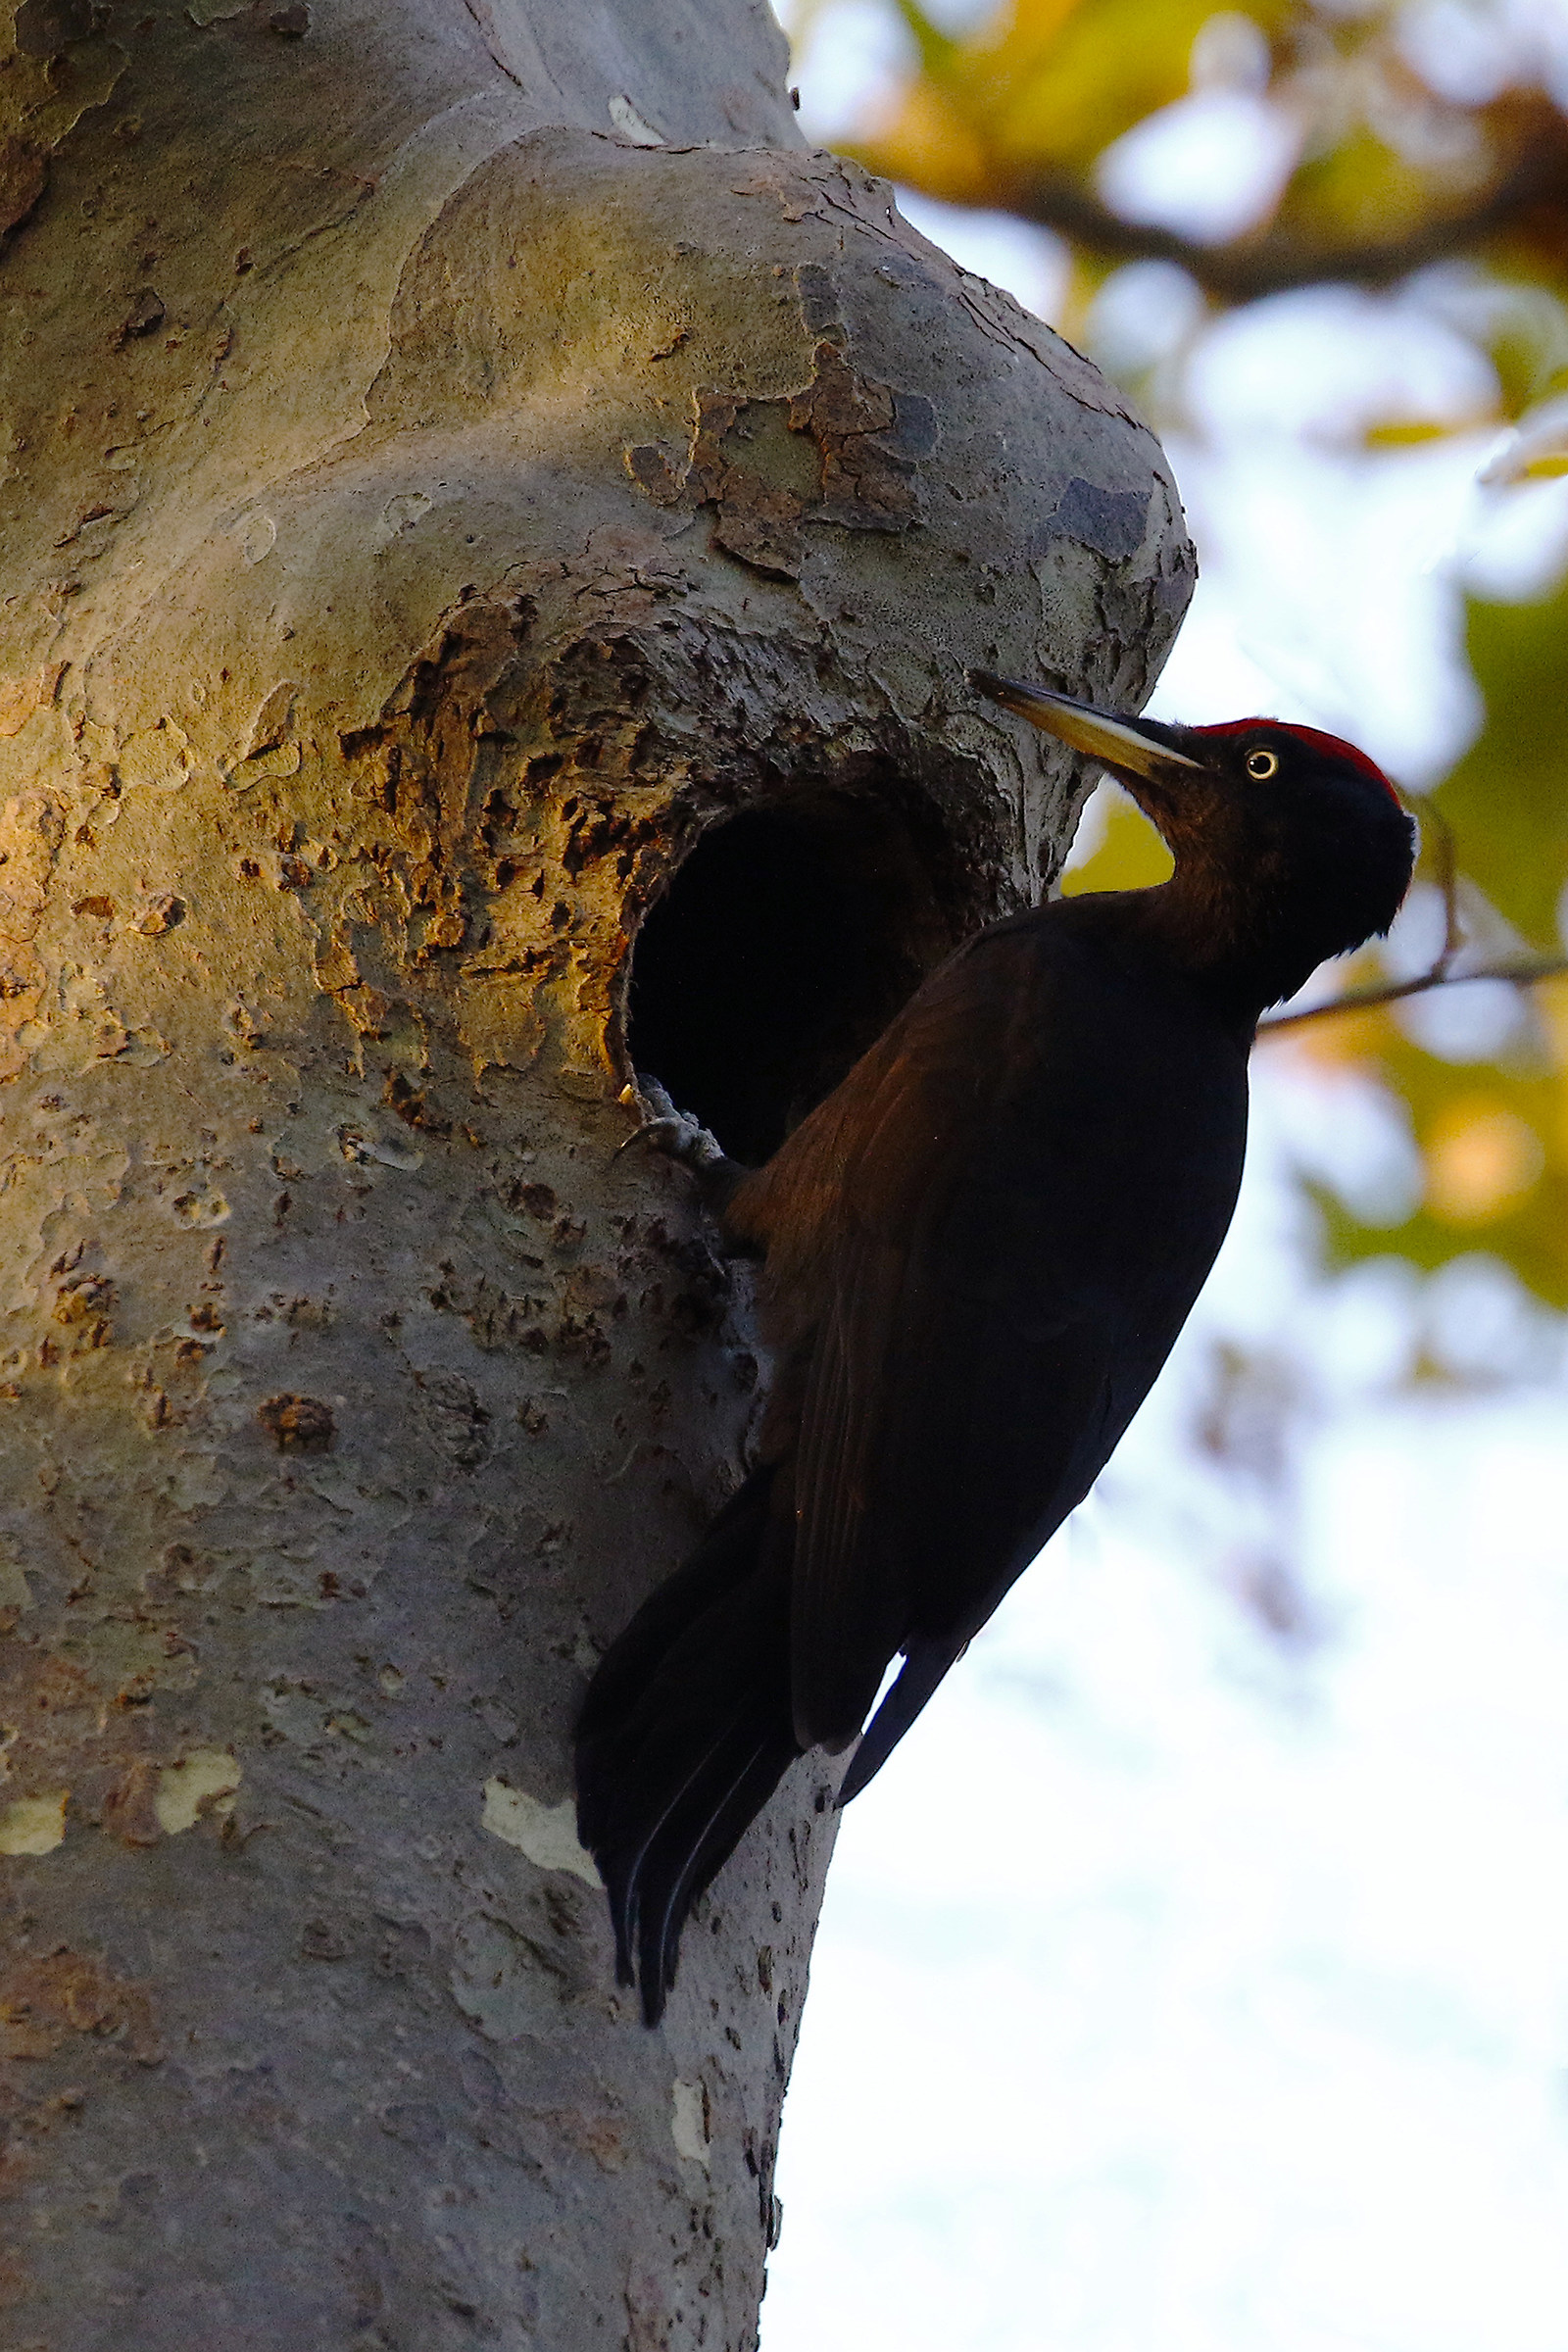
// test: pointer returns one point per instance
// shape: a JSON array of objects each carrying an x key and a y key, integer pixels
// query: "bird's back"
[{"x": 980, "y": 1249}]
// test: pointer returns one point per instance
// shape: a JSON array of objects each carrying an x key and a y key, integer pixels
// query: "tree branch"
[
  {"x": 1389, "y": 992},
  {"x": 1278, "y": 259}
]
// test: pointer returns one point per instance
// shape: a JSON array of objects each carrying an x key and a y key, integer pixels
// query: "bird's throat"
[{"x": 1242, "y": 951}]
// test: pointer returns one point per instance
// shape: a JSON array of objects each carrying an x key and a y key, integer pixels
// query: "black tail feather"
[
  {"x": 925, "y": 1663},
  {"x": 707, "y": 1833},
  {"x": 686, "y": 1733},
  {"x": 668, "y": 1786}
]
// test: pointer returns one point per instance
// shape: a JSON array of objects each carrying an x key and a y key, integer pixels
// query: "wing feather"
[
  {"x": 847, "y": 1604},
  {"x": 965, "y": 1250}
]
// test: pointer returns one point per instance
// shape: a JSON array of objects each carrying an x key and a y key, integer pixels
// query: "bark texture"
[{"x": 455, "y": 456}]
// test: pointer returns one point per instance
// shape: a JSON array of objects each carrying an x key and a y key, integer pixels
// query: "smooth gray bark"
[{"x": 454, "y": 455}]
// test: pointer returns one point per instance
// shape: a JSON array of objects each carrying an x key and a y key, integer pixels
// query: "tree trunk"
[{"x": 465, "y": 466}]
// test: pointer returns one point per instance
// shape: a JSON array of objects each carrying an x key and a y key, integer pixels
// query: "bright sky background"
[{"x": 1183, "y": 1987}]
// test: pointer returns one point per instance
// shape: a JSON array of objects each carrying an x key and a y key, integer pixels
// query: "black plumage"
[{"x": 977, "y": 1254}]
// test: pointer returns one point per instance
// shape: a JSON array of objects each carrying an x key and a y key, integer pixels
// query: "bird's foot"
[
  {"x": 676, "y": 1133},
  {"x": 681, "y": 1137}
]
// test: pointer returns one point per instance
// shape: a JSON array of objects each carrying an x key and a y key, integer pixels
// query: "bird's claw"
[{"x": 675, "y": 1133}]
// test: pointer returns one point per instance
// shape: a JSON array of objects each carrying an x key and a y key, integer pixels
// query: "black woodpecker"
[{"x": 977, "y": 1254}]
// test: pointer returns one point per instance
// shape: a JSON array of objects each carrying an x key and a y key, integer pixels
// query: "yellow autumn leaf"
[{"x": 1481, "y": 1159}]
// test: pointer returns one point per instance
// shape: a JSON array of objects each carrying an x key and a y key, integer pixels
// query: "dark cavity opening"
[{"x": 783, "y": 947}]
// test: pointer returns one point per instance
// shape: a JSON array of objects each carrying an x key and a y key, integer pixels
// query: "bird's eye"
[{"x": 1262, "y": 764}]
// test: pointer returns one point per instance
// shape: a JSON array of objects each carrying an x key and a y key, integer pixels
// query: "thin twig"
[
  {"x": 1278, "y": 259},
  {"x": 1389, "y": 992},
  {"x": 1445, "y": 857}
]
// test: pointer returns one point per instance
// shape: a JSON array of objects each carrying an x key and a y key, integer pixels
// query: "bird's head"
[{"x": 1290, "y": 845}]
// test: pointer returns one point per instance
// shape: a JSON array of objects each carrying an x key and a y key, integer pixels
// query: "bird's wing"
[
  {"x": 1000, "y": 1289},
  {"x": 839, "y": 1211}
]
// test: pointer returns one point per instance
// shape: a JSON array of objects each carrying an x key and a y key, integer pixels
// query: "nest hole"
[{"x": 783, "y": 946}]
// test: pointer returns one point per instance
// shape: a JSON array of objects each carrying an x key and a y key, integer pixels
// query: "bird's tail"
[{"x": 686, "y": 1733}]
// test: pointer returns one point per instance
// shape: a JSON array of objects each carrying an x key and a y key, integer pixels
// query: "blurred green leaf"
[
  {"x": 1508, "y": 800},
  {"x": 1047, "y": 84},
  {"x": 937, "y": 49},
  {"x": 1494, "y": 1145}
]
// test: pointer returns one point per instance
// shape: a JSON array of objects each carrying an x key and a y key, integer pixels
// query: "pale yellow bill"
[{"x": 1093, "y": 732}]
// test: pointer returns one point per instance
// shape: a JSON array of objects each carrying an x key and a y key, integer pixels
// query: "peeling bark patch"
[
  {"x": 865, "y": 439},
  {"x": 272, "y": 721},
  {"x": 33, "y": 826},
  {"x": 65, "y": 1737},
  {"x": 298, "y": 1424},
  {"x": 82, "y": 1298},
  {"x": 387, "y": 1150},
  {"x": 33, "y": 1825},
  {"x": 96, "y": 511},
  {"x": 203, "y": 1781},
  {"x": 456, "y": 1419},
  {"x": 655, "y": 470},
  {"x": 201, "y": 1209},
  {"x": 546, "y": 1834},
  {"x": 257, "y": 535},
  {"x": 23, "y": 177},
  {"x": 43, "y": 28},
  {"x": 155, "y": 758},
  {"x": 596, "y": 2135},
  {"x": 44, "y": 2001},
  {"x": 158, "y": 915},
  {"x": 18, "y": 700},
  {"x": 632, "y": 125},
  {"x": 818, "y": 293},
  {"x": 758, "y": 525},
  {"x": 757, "y": 519},
  {"x": 82, "y": 1304},
  {"x": 1111, "y": 521},
  {"x": 53, "y": 1710},
  {"x": 779, "y": 177},
  {"x": 145, "y": 316},
  {"x": 129, "y": 1808},
  {"x": 688, "y": 2123}
]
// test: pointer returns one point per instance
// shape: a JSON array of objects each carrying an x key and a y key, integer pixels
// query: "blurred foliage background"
[
  {"x": 1245, "y": 1906},
  {"x": 1394, "y": 177}
]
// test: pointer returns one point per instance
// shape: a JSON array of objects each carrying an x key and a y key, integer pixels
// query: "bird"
[{"x": 977, "y": 1254}]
